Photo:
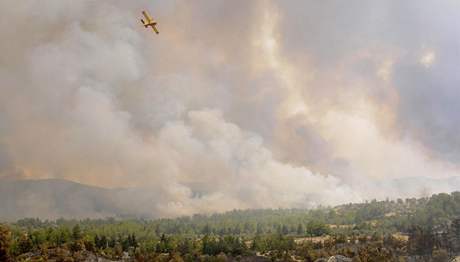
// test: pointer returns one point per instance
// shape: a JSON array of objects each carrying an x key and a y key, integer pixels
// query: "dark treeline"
[{"x": 424, "y": 229}]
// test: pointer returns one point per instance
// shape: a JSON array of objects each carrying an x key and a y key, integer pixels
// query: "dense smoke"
[{"x": 235, "y": 104}]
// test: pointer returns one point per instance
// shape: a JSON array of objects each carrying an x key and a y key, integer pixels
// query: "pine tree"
[
  {"x": 76, "y": 232},
  {"x": 206, "y": 230},
  {"x": 97, "y": 241},
  {"x": 134, "y": 241},
  {"x": 421, "y": 241},
  {"x": 104, "y": 242},
  {"x": 285, "y": 230},
  {"x": 300, "y": 229}
]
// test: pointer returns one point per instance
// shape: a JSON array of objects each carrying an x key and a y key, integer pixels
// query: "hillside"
[
  {"x": 423, "y": 229},
  {"x": 54, "y": 198}
]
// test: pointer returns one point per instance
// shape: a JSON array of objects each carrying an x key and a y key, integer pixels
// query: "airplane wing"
[{"x": 147, "y": 17}]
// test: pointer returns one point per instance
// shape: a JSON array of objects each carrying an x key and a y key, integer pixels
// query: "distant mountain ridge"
[{"x": 55, "y": 198}]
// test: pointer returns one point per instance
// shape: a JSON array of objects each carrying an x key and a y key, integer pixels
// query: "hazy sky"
[{"x": 235, "y": 104}]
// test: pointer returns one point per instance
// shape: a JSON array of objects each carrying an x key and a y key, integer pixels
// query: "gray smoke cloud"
[
  {"x": 400, "y": 55},
  {"x": 235, "y": 104}
]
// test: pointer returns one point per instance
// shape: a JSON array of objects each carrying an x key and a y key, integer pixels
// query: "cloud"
[{"x": 234, "y": 104}]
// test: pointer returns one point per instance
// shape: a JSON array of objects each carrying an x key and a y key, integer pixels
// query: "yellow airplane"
[{"x": 149, "y": 22}]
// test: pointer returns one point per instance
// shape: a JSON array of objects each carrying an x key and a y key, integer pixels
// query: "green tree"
[
  {"x": 76, "y": 233},
  {"x": 185, "y": 246},
  {"x": 165, "y": 245},
  {"x": 133, "y": 241},
  {"x": 60, "y": 236},
  {"x": 300, "y": 230},
  {"x": 37, "y": 237},
  {"x": 209, "y": 246},
  {"x": 317, "y": 228},
  {"x": 421, "y": 241},
  {"x": 454, "y": 235},
  {"x": 258, "y": 244}
]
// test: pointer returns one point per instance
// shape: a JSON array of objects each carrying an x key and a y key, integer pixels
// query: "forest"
[{"x": 423, "y": 229}]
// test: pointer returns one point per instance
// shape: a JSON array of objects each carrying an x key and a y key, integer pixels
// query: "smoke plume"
[{"x": 234, "y": 104}]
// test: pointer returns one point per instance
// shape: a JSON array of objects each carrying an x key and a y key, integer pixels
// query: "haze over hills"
[{"x": 57, "y": 198}]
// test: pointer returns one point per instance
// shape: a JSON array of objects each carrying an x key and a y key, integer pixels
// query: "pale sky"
[{"x": 235, "y": 104}]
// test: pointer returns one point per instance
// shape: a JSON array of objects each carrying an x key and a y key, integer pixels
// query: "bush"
[
  {"x": 440, "y": 255},
  {"x": 5, "y": 243}
]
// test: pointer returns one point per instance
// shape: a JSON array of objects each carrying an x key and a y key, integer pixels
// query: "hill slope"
[{"x": 52, "y": 198}]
